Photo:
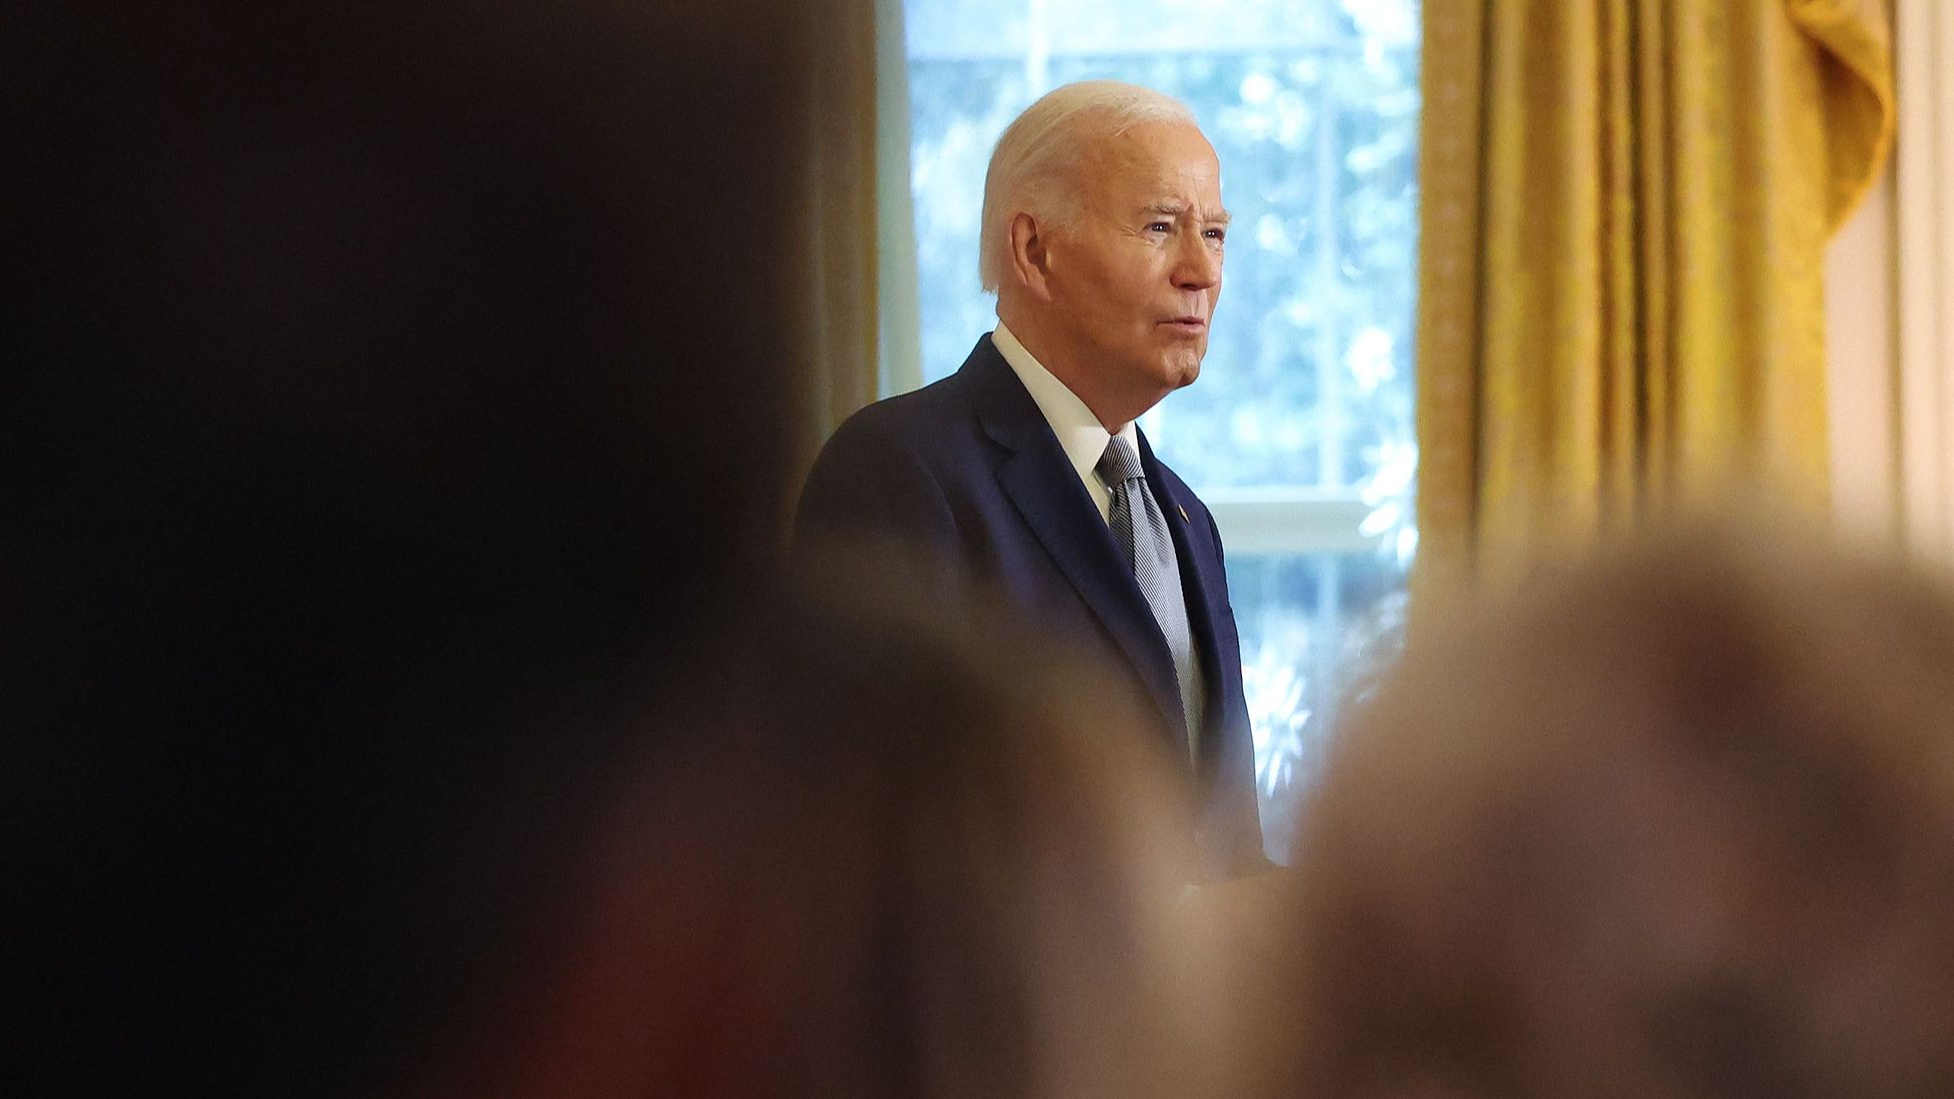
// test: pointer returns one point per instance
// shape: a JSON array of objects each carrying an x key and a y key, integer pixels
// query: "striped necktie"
[{"x": 1141, "y": 531}]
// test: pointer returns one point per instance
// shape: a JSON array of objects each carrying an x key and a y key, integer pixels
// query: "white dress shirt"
[{"x": 1079, "y": 432}]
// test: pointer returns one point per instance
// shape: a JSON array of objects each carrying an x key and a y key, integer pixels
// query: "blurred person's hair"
[
  {"x": 361, "y": 370},
  {"x": 891, "y": 860},
  {"x": 1678, "y": 823},
  {"x": 1034, "y": 164}
]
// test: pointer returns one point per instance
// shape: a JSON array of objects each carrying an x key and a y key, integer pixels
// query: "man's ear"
[{"x": 1031, "y": 260}]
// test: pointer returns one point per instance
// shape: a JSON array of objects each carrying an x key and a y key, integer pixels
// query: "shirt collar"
[{"x": 1079, "y": 432}]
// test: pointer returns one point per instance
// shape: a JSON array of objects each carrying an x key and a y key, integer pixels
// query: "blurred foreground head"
[
  {"x": 363, "y": 370},
  {"x": 1680, "y": 824},
  {"x": 884, "y": 860}
]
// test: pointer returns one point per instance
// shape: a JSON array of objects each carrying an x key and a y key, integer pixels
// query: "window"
[{"x": 1299, "y": 433}]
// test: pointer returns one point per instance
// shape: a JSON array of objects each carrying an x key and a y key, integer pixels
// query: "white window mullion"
[{"x": 1257, "y": 521}]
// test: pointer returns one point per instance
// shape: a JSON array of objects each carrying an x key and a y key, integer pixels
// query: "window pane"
[
  {"x": 958, "y": 107},
  {"x": 1316, "y": 630},
  {"x": 1307, "y": 376}
]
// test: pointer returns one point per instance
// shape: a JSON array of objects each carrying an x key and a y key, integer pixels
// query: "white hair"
[{"x": 1033, "y": 164}]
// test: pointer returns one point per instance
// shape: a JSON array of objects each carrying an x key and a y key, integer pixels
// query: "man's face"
[{"x": 1134, "y": 281}]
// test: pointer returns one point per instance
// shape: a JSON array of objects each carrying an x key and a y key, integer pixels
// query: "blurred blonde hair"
[{"x": 1680, "y": 823}]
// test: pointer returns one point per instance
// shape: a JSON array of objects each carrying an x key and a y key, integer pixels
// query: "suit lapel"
[{"x": 1041, "y": 484}]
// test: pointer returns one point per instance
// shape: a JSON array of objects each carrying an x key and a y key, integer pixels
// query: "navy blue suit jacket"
[{"x": 968, "y": 477}]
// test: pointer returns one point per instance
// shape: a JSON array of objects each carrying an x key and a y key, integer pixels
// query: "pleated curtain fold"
[{"x": 1625, "y": 208}]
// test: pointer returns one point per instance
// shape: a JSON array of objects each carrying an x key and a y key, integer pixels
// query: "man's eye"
[
  {"x": 1159, "y": 227},
  {"x": 1217, "y": 235}
]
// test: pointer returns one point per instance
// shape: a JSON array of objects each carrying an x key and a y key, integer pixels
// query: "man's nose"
[{"x": 1198, "y": 267}]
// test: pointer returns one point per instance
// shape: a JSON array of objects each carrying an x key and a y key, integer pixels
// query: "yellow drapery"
[
  {"x": 852, "y": 267},
  {"x": 1624, "y": 211},
  {"x": 837, "y": 262}
]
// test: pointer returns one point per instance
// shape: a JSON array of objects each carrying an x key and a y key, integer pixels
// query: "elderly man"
[{"x": 1024, "y": 475}]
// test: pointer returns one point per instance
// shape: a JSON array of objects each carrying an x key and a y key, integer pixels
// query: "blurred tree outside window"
[{"x": 1299, "y": 433}]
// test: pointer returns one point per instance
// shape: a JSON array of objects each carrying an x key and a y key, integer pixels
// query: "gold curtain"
[
  {"x": 1625, "y": 208},
  {"x": 837, "y": 267},
  {"x": 853, "y": 267}
]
